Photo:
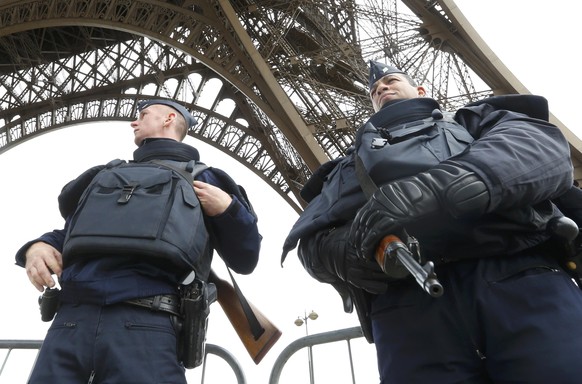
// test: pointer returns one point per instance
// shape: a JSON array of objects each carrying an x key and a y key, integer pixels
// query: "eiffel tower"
[{"x": 286, "y": 80}]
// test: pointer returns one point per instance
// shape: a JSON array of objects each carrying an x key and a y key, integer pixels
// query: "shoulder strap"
[
  {"x": 368, "y": 185},
  {"x": 189, "y": 170},
  {"x": 256, "y": 327},
  {"x": 115, "y": 163},
  {"x": 198, "y": 168}
]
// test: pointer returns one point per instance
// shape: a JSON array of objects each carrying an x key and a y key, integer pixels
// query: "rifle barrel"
[{"x": 424, "y": 275}]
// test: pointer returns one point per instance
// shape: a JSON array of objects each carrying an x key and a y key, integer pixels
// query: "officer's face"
[
  {"x": 152, "y": 122},
  {"x": 393, "y": 87}
]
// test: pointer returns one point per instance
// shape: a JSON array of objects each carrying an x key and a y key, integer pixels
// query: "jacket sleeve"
[
  {"x": 55, "y": 238},
  {"x": 523, "y": 160},
  {"x": 234, "y": 233}
]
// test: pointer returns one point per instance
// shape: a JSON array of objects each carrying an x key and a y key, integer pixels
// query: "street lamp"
[{"x": 299, "y": 322}]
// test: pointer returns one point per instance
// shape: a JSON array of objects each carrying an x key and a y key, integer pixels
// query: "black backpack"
[{"x": 147, "y": 209}]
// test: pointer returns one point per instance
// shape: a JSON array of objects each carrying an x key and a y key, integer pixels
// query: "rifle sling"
[
  {"x": 256, "y": 327},
  {"x": 366, "y": 182}
]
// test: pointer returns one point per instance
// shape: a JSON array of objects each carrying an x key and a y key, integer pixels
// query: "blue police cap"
[
  {"x": 379, "y": 70},
  {"x": 190, "y": 120}
]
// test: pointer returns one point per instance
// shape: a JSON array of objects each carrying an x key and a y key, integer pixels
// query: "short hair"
[
  {"x": 184, "y": 118},
  {"x": 181, "y": 126}
]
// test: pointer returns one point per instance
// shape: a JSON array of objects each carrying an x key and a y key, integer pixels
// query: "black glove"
[
  {"x": 327, "y": 256},
  {"x": 446, "y": 188}
]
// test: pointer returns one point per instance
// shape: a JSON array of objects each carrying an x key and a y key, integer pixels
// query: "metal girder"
[{"x": 287, "y": 80}]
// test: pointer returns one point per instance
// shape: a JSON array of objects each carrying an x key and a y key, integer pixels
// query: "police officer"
[
  {"x": 509, "y": 312},
  {"x": 115, "y": 319}
]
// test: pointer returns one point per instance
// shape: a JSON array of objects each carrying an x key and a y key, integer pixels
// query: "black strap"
[
  {"x": 189, "y": 170},
  {"x": 368, "y": 185},
  {"x": 256, "y": 327}
]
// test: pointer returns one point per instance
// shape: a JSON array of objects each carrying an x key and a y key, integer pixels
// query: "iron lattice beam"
[{"x": 280, "y": 86}]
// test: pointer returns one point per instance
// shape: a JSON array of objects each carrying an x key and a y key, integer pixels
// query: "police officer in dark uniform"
[
  {"x": 509, "y": 312},
  {"x": 115, "y": 319}
]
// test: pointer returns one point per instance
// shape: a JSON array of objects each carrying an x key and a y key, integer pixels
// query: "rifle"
[
  {"x": 391, "y": 246},
  {"x": 256, "y": 341}
]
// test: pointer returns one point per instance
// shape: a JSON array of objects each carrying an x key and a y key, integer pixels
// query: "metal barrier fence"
[
  {"x": 211, "y": 349},
  {"x": 305, "y": 342},
  {"x": 310, "y": 341}
]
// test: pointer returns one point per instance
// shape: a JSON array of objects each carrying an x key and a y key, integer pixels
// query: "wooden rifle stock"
[{"x": 232, "y": 307}]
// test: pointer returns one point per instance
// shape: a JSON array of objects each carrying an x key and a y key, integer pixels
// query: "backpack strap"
[
  {"x": 198, "y": 168},
  {"x": 115, "y": 163},
  {"x": 189, "y": 170}
]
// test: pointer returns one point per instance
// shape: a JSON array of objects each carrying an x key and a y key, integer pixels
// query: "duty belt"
[{"x": 164, "y": 303}]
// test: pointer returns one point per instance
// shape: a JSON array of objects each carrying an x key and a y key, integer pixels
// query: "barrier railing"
[
  {"x": 312, "y": 340},
  {"x": 211, "y": 349},
  {"x": 340, "y": 335}
]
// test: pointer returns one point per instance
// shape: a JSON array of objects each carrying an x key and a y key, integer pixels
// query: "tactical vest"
[{"x": 388, "y": 153}]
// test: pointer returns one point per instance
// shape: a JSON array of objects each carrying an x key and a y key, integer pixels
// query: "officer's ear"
[{"x": 421, "y": 91}]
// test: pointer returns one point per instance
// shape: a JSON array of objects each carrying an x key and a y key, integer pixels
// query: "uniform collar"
[
  {"x": 165, "y": 149},
  {"x": 403, "y": 111}
]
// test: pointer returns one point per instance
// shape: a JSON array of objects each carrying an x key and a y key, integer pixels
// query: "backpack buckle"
[{"x": 127, "y": 192}]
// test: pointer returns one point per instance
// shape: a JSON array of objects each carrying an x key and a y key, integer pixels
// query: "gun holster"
[
  {"x": 196, "y": 298},
  {"x": 49, "y": 303},
  {"x": 567, "y": 235}
]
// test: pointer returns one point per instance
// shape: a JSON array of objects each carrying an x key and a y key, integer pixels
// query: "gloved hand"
[
  {"x": 327, "y": 256},
  {"x": 446, "y": 188}
]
